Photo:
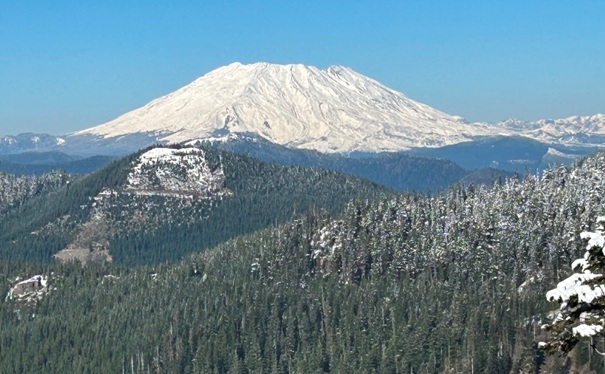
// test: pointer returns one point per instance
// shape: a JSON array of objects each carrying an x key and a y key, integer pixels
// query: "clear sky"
[{"x": 69, "y": 65}]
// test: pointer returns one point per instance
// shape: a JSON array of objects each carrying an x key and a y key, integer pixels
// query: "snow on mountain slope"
[
  {"x": 329, "y": 110},
  {"x": 29, "y": 142},
  {"x": 575, "y": 130}
]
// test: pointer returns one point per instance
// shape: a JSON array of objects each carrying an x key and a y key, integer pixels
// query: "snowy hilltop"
[
  {"x": 169, "y": 171},
  {"x": 329, "y": 110}
]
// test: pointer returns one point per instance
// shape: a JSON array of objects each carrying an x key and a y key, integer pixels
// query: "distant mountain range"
[
  {"x": 32, "y": 162},
  {"x": 573, "y": 131},
  {"x": 398, "y": 170},
  {"x": 512, "y": 153}
]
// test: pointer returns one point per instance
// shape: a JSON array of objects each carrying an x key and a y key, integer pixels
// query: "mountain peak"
[{"x": 330, "y": 110}]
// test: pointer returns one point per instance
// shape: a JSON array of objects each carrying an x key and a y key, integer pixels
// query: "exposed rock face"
[
  {"x": 170, "y": 171},
  {"x": 29, "y": 290}
]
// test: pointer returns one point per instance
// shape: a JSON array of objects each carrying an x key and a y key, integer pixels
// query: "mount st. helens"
[
  {"x": 332, "y": 110},
  {"x": 329, "y": 110}
]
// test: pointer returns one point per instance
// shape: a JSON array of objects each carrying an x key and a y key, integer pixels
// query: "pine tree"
[{"x": 582, "y": 298}]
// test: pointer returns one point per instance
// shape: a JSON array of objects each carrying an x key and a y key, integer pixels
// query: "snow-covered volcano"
[{"x": 329, "y": 110}]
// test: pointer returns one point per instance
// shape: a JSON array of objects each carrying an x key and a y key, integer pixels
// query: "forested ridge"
[
  {"x": 399, "y": 171},
  {"x": 43, "y": 224},
  {"x": 263, "y": 194},
  {"x": 155, "y": 227},
  {"x": 412, "y": 283},
  {"x": 21, "y": 164},
  {"x": 15, "y": 190}
]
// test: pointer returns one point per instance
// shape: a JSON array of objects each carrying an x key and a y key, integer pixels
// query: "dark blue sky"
[{"x": 68, "y": 65}]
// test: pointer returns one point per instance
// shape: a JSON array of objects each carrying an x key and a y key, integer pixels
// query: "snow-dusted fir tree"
[{"x": 582, "y": 298}]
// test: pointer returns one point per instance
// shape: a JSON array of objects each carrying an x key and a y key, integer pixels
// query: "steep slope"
[
  {"x": 329, "y": 110},
  {"x": 15, "y": 190},
  {"x": 162, "y": 203}
]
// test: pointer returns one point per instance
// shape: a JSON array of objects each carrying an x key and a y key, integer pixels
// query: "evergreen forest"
[{"x": 358, "y": 282}]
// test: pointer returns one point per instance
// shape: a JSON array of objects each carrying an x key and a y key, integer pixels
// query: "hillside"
[
  {"x": 399, "y": 171},
  {"x": 450, "y": 283},
  {"x": 16, "y": 190},
  {"x": 162, "y": 203}
]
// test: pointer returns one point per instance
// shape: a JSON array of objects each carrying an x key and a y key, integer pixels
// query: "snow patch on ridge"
[{"x": 170, "y": 171}]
